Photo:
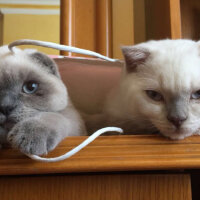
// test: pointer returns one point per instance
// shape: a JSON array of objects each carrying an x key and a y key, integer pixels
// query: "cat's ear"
[
  {"x": 44, "y": 61},
  {"x": 134, "y": 56}
]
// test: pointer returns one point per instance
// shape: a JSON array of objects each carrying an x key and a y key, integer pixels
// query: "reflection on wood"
[{"x": 110, "y": 153}]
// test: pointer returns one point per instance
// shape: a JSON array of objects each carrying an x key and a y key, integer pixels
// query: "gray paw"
[{"x": 32, "y": 137}]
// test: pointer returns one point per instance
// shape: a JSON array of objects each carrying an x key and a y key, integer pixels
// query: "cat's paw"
[{"x": 32, "y": 137}]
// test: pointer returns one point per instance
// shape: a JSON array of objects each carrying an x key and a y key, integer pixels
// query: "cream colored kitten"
[{"x": 159, "y": 89}]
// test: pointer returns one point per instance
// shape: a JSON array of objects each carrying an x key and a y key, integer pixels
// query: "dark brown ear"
[
  {"x": 134, "y": 56},
  {"x": 45, "y": 61}
]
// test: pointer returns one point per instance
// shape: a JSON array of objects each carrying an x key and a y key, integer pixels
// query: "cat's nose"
[
  {"x": 177, "y": 120},
  {"x": 7, "y": 109},
  {"x": 7, "y": 104}
]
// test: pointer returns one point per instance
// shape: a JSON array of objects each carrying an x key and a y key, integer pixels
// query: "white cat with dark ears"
[
  {"x": 35, "y": 109},
  {"x": 159, "y": 89}
]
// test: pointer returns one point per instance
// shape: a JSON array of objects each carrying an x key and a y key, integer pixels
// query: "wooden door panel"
[{"x": 97, "y": 187}]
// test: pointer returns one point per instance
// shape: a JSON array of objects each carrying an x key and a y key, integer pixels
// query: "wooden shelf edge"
[{"x": 110, "y": 153}]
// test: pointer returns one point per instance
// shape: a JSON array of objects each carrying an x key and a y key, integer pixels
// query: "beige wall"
[
  {"x": 34, "y": 21},
  {"x": 39, "y": 27},
  {"x": 1, "y": 29}
]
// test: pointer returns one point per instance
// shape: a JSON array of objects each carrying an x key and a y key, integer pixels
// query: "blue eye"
[
  {"x": 195, "y": 95},
  {"x": 154, "y": 95},
  {"x": 30, "y": 87}
]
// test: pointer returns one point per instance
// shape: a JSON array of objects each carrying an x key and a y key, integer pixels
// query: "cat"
[
  {"x": 159, "y": 90},
  {"x": 36, "y": 112}
]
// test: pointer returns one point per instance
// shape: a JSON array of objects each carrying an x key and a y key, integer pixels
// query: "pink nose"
[{"x": 176, "y": 121}]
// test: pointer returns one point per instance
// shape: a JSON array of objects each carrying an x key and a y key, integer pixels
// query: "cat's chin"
[{"x": 177, "y": 134}]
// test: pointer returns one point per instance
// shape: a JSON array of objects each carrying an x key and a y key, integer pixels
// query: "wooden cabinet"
[
  {"x": 190, "y": 19},
  {"x": 108, "y": 24},
  {"x": 110, "y": 168},
  {"x": 97, "y": 187},
  {"x": 86, "y": 24}
]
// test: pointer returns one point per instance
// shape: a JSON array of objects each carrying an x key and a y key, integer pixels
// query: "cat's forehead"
[
  {"x": 164, "y": 45},
  {"x": 175, "y": 77},
  {"x": 11, "y": 68},
  {"x": 174, "y": 65},
  {"x": 15, "y": 71},
  {"x": 16, "y": 63}
]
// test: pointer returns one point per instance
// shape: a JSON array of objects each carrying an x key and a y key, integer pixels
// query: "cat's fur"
[
  {"x": 34, "y": 123},
  {"x": 170, "y": 67}
]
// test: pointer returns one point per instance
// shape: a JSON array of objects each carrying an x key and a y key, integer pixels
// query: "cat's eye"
[
  {"x": 154, "y": 95},
  {"x": 195, "y": 95},
  {"x": 30, "y": 87}
]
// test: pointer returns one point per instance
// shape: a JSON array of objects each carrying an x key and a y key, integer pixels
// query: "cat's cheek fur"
[
  {"x": 59, "y": 99},
  {"x": 150, "y": 110},
  {"x": 142, "y": 104}
]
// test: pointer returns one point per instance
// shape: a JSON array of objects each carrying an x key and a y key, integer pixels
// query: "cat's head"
[
  {"x": 162, "y": 82},
  {"x": 29, "y": 83}
]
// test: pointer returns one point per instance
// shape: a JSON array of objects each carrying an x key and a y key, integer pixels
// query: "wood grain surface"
[
  {"x": 157, "y": 19},
  {"x": 77, "y": 24},
  {"x": 87, "y": 24},
  {"x": 65, "y": 15},
  {"x": 104, "y": 27},
  {"x": 190, "y": 17},
  {"x": 163, "y": 19},
  {"x": 122, "y": 25},
  {"x": 97, "y": 187},
  {"x": 175, "y": 19},
  {"x": 110, "y": 153}
]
